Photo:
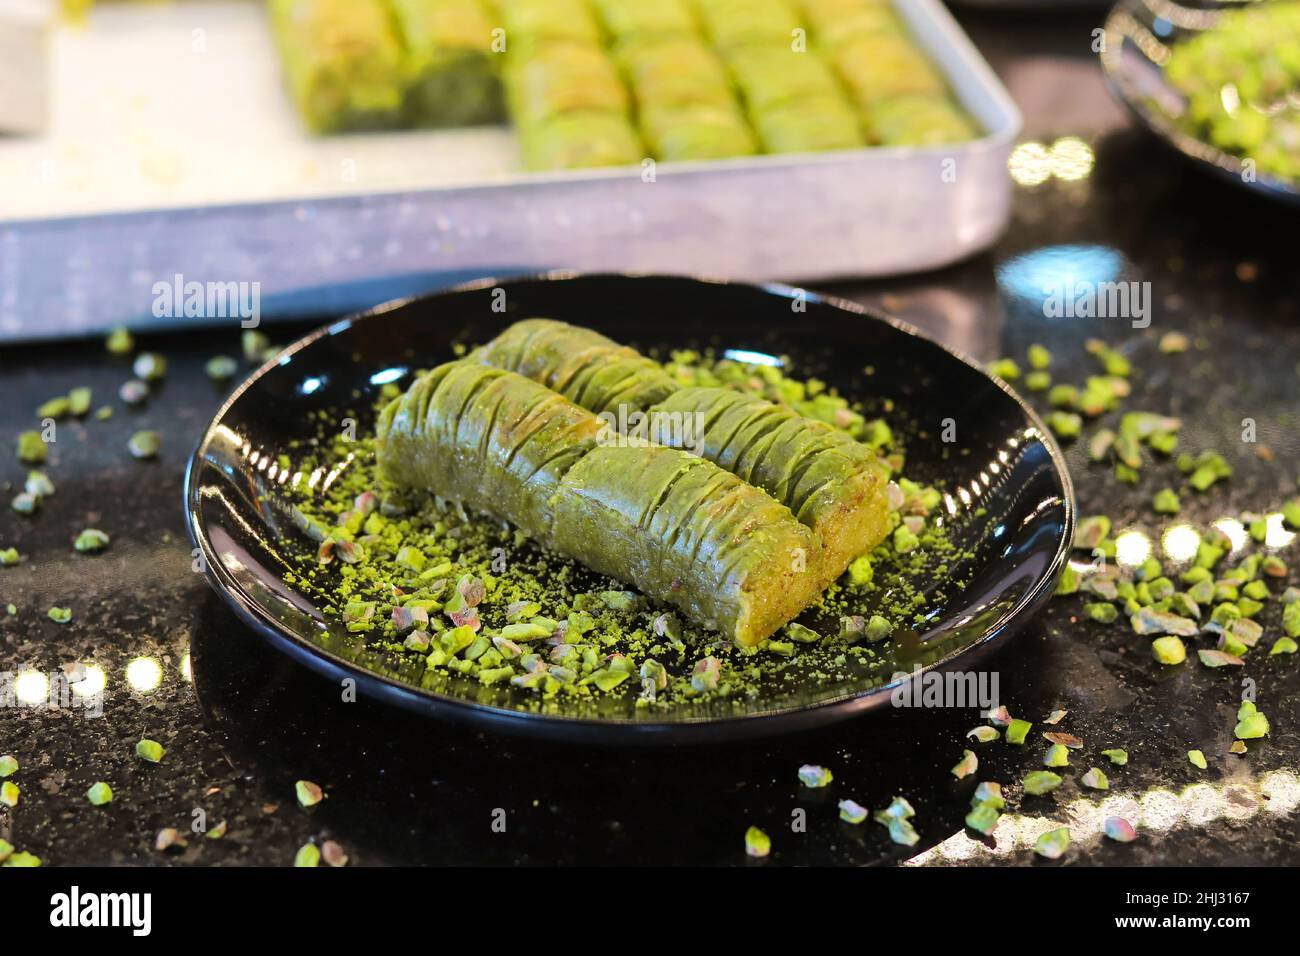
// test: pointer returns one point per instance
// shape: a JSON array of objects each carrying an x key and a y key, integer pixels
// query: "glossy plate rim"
[{"x": 778, "y": 720}]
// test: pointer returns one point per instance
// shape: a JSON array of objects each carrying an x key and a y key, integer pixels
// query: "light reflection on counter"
[
  {"x": 1157, "y": 810},
  {"x": 144, "y": 674},
  {"x": 31, "y": 687}
]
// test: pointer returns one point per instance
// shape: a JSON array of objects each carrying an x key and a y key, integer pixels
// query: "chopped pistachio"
[
  {"x": 1095, "y": 779},
  {"x": 1039, "y": 357},
  {"x": 804, "y": 635},
  {"x": 814, "y": 776},
  {"x": 60, "y": 615},
  {"x": 1038, "y": 381},
  {"x": 1064, "y": 739},
  {"x": 103, "y": 413},
  {"x": 1005, "y": 369},
  {"x": 878, "y": 628},
  {"x": 38, "y": 484},
  {"x": 1171, "y": 343},
  {"x": 852, "y": 811},
  {"x": 167, "y": 838},
  {"x": 1091, "y": 531},
  {"x": 1166, "y": 502},
  {"x": 1017, "y": 730},
  {"x": 333, "y": 854},
  {"x": 149, "y": 366},
  {"x": 1039, "y": 782},
  {"x": 983, "y": 818},
  {"x": 983, "y": 734},
  {"x": 1169, "y": 650},
  {"x": 255, "y": 345},
  {"x": 149, "y": 750},
  {"x": 1211, "y": 657},
  {"x": 308, "y": 855},
  {"x": 23, "y": 859},
  {"x": 90, "y": 541},
  {"x": 9, "y": 793},
  {"x": 1151, "y": 621},
  {"x": 968, "y": 764},
  {"x": 220, "y": 368},
  {"x": 120, "y": 341},
  {"x": 79, "y": 400},
  {"x": 9, "y": 557},
  {"x": 309, "y": 794},
  {"x": 1283, "y": 645},
  {"x": 217, "y": 832},
  {"x": 1197, "y": 759},
  {"x": 1100, "y": 444},
  {"x": 999, "y": 716},
  {"x": 1063, "y": 396},
  {"x": 1119, "y": 830},
  {"x": 8, "y": 765},
  {"x": 145, "y": 444},
  {"x": 1291, "y": 513},
  {"x": 6, "y": 850},
  {"x": 1055, "y": 717},
  {"x": 54, "y": 408},
  {"x": 1101, "y": 612},
  {"x": 1053, "y": 844},
  {"x": 1065, "y": 425},
  {"x": 1251, "y": 724},
  {"x": 1057, "y": 755},
  {"x": 99, "y": 794},
  {"x": 903, "y": 833},
  {"x": 757, "y": 843},
  {"x": 31, "y": 448},
  {"x": 1068, "y": 583},
  {"x": 1237, "y": 747},
  {"x": 133, "y": 391}
]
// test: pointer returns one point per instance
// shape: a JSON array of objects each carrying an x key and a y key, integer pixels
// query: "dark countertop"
[{"x": 1221, "y": 268}]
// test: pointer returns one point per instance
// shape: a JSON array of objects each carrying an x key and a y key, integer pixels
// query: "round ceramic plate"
[
  {"x": 1008, "y": 498},
  {"x": 1140, "y": 36}
]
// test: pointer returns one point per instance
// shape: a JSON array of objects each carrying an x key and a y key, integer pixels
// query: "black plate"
[
  {"x": 1009, "y": 487},
  {"x": 1140, "y": 33}
]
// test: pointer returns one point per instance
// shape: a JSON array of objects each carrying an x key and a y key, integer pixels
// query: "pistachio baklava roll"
[
  {"x": 343, "y": 62},
  {"x": 454, "y": 79},
  {"x": 685, "y": 100},
  {"x": 792, "y": 98},
  {"x": 638, "y": 20},
  {"x": 918, "y": 121},
  {"x": 832, "y": 483},
  {"x": 565, "y": 95},
  {"x": 671, "y": 524},
  {"x": 833, "y": 22}
]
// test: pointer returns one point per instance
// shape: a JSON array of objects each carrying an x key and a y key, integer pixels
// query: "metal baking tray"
[{"x": 173, "y": 156}]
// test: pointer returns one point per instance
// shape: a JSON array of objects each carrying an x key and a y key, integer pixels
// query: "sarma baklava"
[
  {"x": 454, "y": 79},
  {"x": 672, "y": 524},
  {"x": 343, "y": 62},
  {"x": 830, "y": 482}
]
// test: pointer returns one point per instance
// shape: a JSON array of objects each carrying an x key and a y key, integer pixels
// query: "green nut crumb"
[
  {"x": 8, "y": 765},
  {"x": 308, "y": 855},
  {"x": 757, "y": 843},
  {"x": 1166, "y": 502},
  {"x": 91, "y": 541},
  {"x": 149, "y": 750},
  {"x": 99, "y": 794},
  {"x": 1169, "y": 650},
  {"x": 1197, "y": 759},
  {"x": 60, "y": 615},
  {"x": 32, "y": 449},
  {"x": 1039, "y": 782},
  {"x": 308, "y": 793},
  {"x": 144, "y": 444}
]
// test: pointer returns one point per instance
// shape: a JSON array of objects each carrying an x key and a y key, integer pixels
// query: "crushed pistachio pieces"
[
  {"x": 149, "y": 750},
  {"x": 309, "y": 794},
  {"x": 1039, "y": 782},
  {"x": 144, "y": 444},
  {"x": 757, "y": 843},
  {"x": 1053, "y": 844},
  {"x": 1119, "y": 830},
  {"x": 1197, "y": 759},
  {"x": 1251, "y": 724},
  {"x": 8, "y": 765},
  {"x": 852, "y": 812},
  {"x": 814, "y": 776},
  {"x": 308, "y": 855},
  {"x": 91, "y": 541},
  {"x": 99, "y": 794},
  {"x": 968, "y": 764},
  {"x": 1095, "y": 779}
]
